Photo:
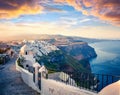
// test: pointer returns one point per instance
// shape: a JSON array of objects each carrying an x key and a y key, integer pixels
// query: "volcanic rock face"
[
  {"x": 79, "y": 51},
  {"x": 74, "y": 46}
]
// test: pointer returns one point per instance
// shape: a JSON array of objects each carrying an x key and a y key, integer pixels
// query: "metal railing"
[{"x": 88, "y": 81}]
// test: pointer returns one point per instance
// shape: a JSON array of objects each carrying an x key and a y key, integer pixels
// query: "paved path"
[{"x": 11, "y": 82}]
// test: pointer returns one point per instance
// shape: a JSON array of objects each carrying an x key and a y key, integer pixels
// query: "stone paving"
[{"x": 11, "y": 82}]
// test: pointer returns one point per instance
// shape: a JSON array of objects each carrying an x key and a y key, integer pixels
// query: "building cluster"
[{"x": 31, "y": 49}]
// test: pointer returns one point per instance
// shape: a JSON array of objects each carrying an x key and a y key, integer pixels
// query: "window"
[
  {"x": 27, "y": 65},
  {"x": 26, "y": 52}
]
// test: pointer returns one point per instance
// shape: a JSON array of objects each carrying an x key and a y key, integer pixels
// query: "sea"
[
  {"x": 106, "y": 66},
  {"x": 108, "y": 58}
]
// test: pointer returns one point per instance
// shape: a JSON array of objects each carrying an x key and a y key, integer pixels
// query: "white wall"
[
  {"x": 27, "y": 78},
  {"x": 112, "y": 89},
  {"x": 52, "y": 87}
]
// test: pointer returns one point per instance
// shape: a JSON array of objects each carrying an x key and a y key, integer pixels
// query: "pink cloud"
[{"x": 107, "y": 10}]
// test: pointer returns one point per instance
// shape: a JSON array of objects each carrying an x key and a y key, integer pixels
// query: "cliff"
[
  {"x": 79, "y": 51},
  {"x": 73, "y": 46}
]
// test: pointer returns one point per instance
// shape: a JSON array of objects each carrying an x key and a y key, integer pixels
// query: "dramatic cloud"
[
  {"x": 15, "y": 8},
  {"x": 107, "y": 10}
]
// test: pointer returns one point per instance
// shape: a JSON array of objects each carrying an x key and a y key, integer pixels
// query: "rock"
[{"x": 79, "y": 51}]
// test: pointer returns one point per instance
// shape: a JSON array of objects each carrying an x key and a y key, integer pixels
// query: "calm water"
[{"x": 108, "y": 59}]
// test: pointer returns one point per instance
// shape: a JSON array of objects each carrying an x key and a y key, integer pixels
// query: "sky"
[{"x": 85, "y": 18}]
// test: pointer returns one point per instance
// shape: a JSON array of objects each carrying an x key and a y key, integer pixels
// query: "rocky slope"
[{"x": 79, "y": 51}]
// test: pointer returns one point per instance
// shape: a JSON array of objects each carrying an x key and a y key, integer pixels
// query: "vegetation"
[
  {"x": 1, "y": 60},
  {"x": 20, "y": 60},
  {"x": 59, "y": 61},
  {"x": 86, "y": 80},
  {"x": 85, "y": 63},
  {"x": 51, "y": 71}
]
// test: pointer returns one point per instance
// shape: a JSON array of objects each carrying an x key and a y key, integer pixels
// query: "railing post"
[
  {"x": 97, "y": 82},
  {"x": 66, "y": 77},
  {"x": 112, "y": 79},
  {"x": 93, "y": 82},
  {"x": 102, "y": 80},
  {"x": 88, "y": 81},
  {"x": 107, "y": 80},
  {"x": 39, "y": 80},
  {"x": 33, "y": 74},
  {"x": 70, "y": 80},
  {"x": 47, "y": 76}
]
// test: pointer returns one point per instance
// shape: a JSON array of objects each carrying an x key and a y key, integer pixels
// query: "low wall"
[
  {"x": 27, "y": 77},
  {"x": 52, "y": 87}
]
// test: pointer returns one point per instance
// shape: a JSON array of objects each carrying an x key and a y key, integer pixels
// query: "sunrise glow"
[{"x": 60, "y": 17}]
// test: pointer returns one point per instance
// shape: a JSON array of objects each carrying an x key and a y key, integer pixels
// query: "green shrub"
[{"x": 19, "y": 61}]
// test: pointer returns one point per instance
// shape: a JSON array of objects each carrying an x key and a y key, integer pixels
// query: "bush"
[{"x": 19, "y": 61}]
